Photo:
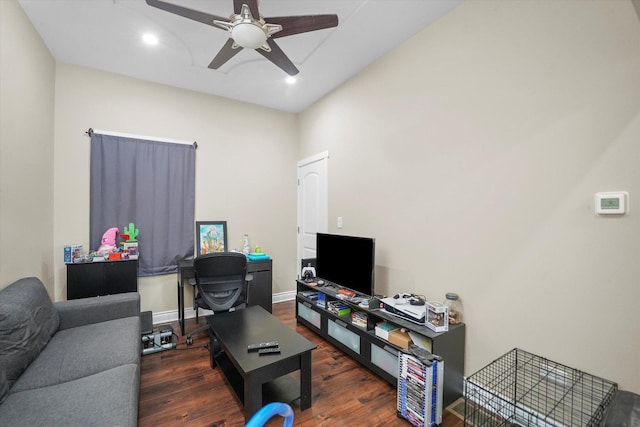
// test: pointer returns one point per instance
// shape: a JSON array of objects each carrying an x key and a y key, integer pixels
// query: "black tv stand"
[{"x": 375, "y": 353}]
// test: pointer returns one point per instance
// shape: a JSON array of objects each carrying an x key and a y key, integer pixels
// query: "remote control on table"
[
  {"x": 270, "y": 350},
  {"x": 262, "y": 345}
]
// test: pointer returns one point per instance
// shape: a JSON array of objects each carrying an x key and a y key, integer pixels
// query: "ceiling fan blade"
[
  {"x": 278, "y": 57},
  {"x": 225, "y": 54},
  {"x": 302, "y": 24},
  {"x": 196, "y": 15},
  {"x": 253, "y": 7}
]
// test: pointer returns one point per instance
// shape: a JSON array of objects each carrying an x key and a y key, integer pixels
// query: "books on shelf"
[
  {"x": 311, "y": 295},
  {"x": 338, "y": 308},
  {"x": 359, "y": 318}
]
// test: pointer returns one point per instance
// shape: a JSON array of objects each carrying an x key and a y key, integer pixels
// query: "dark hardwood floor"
[{"x": 178, "y": 387}]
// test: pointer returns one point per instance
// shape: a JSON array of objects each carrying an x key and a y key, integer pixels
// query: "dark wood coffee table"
[{"x": 258, "y": 380}]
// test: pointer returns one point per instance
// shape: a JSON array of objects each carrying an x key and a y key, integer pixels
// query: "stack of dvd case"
[
  {"x": 420, "y": 382},
  {"x": 358, "y": 318}
]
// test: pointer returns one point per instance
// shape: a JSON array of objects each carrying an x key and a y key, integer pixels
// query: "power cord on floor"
[{"x": 190, "y": 347}]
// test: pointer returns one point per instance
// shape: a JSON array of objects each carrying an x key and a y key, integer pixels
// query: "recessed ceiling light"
[
  {"x": 150, "y": 39},
  {"x": 291, "y": 80}
]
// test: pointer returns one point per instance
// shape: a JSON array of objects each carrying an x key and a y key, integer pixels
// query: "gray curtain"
[{"x": 151, "y": 184}]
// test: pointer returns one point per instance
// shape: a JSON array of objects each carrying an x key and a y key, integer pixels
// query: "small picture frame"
[{"x": 211, "y": 236}]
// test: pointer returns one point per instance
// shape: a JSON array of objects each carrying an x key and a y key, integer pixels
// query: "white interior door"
[{"x": 312, "y": 203}]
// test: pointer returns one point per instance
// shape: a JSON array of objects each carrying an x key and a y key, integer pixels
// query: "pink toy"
[{"x": 108, "y": 243}]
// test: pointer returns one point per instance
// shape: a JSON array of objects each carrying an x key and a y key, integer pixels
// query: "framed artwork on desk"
[{"x": 211, "y": 236}]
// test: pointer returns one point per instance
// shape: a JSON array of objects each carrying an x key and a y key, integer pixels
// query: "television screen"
[{"x": 346, "y": 261}]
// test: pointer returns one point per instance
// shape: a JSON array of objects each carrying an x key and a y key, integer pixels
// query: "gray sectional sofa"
[{"x": 69, "y": 363}]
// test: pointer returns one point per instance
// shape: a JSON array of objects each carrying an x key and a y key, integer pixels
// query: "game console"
[
  {"x": 308, "y": 273},
  {"x": 403, "y": 308}
]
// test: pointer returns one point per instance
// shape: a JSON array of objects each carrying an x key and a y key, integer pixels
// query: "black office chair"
[{"x": 221, "y": 281}]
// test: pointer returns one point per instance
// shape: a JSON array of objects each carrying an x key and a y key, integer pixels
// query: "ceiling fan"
[{"x": 249, "y": 30}]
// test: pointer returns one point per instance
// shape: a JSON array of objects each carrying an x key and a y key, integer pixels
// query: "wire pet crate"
[{"x": 522, "y": 389}]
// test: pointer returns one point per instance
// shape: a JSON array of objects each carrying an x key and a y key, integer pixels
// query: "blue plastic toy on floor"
[{"x": 268, "y": 411}]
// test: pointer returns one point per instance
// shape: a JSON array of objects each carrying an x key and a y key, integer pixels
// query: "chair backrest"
[{"x": 221, "y": 279}]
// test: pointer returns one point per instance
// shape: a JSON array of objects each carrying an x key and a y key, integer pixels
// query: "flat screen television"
[{"x": 347, "y": 261}]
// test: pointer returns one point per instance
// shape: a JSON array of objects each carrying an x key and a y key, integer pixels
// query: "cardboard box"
[
  {"x": 437, "y": 316},
  {"x": 400, "y": 338},
  {"x": 71, "y": 253},
  {"x": 383, "y": 329},
  {"x": 132, "y": 249}
]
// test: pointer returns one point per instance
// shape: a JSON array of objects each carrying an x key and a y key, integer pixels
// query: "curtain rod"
[{"x": 91, "y": 131}]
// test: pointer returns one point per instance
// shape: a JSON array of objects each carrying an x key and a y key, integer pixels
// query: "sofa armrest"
[{"x": 85, "y": 311}]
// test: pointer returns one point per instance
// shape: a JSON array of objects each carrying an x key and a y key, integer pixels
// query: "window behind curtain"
[{"x": 151, "y": 184}]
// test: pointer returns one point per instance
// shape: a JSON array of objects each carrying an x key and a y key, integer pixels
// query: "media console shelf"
[{"x": 372, "y": 351}]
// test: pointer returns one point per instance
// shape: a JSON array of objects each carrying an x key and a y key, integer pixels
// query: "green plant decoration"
[{"x": 132, "y": 232}]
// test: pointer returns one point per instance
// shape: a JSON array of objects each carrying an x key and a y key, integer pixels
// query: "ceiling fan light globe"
[{"x": 248, "y": 35}]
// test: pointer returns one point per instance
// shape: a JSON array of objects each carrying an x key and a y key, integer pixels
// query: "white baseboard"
[
  {"x": 189, "y": 313},
  {"x": 169, "y": 316},
  {"x": 284, "y": 296}
]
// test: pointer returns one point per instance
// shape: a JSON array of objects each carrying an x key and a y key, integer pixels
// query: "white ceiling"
[{"x": 107, "y": 35}]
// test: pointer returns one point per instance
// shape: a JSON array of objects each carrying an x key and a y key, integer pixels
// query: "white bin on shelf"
[
  {"x": 384, "y": 360},
  {"x": 345, "y": 336},
  {"x": 309, "y": 315}
]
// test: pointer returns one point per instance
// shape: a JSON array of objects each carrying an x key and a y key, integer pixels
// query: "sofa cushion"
[
  {"x": 85, "y": 350},
  {"x": 109, "y": 398},
  {"x": 28, "y": 319},
  {"x": 83, "y": 311},
  {"x": 4, "y": 384}
]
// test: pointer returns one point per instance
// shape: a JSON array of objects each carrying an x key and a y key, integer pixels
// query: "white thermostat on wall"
[{"x": 613, "y": 203}]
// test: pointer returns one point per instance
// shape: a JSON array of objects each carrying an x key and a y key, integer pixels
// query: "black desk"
[
  {"x": 258, "y": 380},
  {"x": 259, "y": 292}
]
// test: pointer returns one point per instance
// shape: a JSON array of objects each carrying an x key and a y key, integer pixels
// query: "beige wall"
[
  {"x": 27, "y": 73},
  {"x": 245, "y": 165},
  {"x": 476, "y": 149}
]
